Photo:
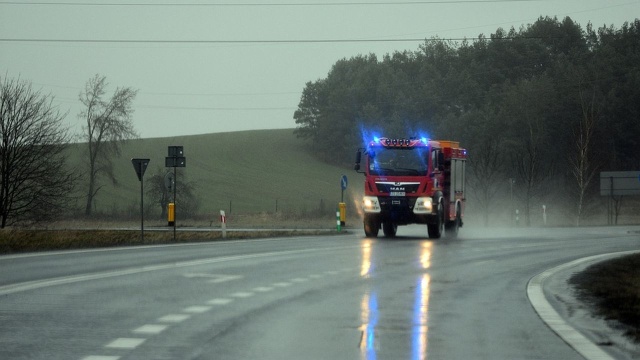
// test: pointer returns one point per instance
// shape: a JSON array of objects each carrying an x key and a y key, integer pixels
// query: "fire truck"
[{"x": 413, "y": 181}]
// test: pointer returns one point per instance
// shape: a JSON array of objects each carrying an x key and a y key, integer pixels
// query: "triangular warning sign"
[{"x": 140, "y": 165}]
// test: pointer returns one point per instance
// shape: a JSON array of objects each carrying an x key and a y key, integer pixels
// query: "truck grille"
[{"x": 388, "y": 187}]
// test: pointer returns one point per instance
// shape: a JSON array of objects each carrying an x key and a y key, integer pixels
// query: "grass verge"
[
  {"x": 18, "y": 241},
  {"x": 613, "y": 287}
]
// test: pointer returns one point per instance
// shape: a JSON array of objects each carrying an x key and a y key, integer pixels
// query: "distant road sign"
[
  {"x": 140, "y": 165},
  {"x": 619, "y": 183},
  {"x": 344, "y": 182},
  {"x": 175, "y": 162},
  {"x": 169, "y": 181}
]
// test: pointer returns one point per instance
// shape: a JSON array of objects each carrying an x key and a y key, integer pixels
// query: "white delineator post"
[{"x": 223, "y": 223}]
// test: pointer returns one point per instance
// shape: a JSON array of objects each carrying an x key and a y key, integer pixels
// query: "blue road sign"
[{"x": 343, "y": 182}]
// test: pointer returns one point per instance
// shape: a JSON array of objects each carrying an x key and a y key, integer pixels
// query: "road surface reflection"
[
  {"x": 369, "y": 311},
  {"x": 420, "y": 329}
]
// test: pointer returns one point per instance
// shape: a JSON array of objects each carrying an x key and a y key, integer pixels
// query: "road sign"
[
  {"x": 176, "y": 151},
  {"x": 176, "y": 157},
  {"x": 343, "y": 182},
  {"x": 619, "y": 183},
  {"x": 175, "y": 162},
  {"x": 140, "y": 165},
  {"x": 169, "y": 181}
]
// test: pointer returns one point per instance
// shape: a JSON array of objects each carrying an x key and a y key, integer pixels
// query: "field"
[{"x": 247, "y": 172}]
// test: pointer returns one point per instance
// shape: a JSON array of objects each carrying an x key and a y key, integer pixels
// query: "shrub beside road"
[{"x": 17, "y": 241}]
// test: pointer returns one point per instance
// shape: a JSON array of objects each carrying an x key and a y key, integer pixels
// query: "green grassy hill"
[{"x": 248, "y": 171}]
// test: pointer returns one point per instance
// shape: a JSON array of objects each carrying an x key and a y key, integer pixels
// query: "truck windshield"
[{"x": 398, "y": 162}]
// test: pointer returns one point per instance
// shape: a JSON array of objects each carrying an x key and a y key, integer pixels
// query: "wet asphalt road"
[{"x": 333, "y": 297}]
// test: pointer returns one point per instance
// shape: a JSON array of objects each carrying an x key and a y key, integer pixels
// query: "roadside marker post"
[{"x": 223, "y": 224}]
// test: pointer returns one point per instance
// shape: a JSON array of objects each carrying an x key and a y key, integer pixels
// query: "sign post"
[
  {"x": 175, "y": 160},
  {"x": 343, "y": 185},
  {"x": 140, "y": 166}
]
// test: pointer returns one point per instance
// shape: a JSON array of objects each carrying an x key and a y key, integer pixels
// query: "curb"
[{"x": 554, "y": 321}]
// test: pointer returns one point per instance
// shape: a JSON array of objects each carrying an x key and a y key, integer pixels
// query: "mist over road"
[{"x": 332, "y": 297}]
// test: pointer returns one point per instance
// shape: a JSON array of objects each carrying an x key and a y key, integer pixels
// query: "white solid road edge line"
[
  {"x": 37, "y": 284},
  {"x": 570, "y": 335}
]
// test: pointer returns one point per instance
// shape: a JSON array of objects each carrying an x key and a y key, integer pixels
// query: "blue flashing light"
[
  {"x": 424, "y": 140},
  {"x": 376, "y": 139}
]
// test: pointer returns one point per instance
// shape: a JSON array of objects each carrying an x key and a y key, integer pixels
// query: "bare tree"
[
  {"x": 157, "y": 190},
  {"x": 107, "y": 123},
  {"x": 185, "y": 192},
  {"x": 34, "y": 181},
  {"x": 582, "y": 168}
]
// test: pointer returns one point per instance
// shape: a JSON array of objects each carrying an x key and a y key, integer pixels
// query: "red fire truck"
[{"x": 413, "y": 181}]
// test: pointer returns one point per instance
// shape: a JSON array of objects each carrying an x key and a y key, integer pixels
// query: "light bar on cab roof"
[{"x": 386, "y": 142}]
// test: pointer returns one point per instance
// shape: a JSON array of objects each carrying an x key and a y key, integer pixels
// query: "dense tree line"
[{"x": 541, "y": 109}]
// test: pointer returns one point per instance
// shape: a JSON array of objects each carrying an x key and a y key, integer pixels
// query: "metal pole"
[
  {"x": 511, "y": 202},
  {"x": 141, "y": 204},
  {"x": 175, "y": 184},
  {"x": 611, "y": 205}
]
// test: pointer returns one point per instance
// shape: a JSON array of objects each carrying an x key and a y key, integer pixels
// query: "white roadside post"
[{"x": 223, "y": 224}]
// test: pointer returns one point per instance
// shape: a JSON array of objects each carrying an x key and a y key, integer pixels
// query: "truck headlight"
[
  {"x": 370, "y": 204},
  {"x": 424, "y": 205}
]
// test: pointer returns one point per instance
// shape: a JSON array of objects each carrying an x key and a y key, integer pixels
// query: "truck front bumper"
[{"x": 399, "y": 210}]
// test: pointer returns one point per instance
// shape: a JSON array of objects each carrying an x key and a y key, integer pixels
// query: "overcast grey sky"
[{"x": 227, "y": 70}]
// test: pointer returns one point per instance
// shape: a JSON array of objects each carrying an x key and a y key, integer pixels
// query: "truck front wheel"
[
  {"x": 437, "y": 227},
  {"x": 371, "y": 227}
]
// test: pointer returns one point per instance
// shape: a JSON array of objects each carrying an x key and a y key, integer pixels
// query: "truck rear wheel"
[
  {"x": 452, "y": 227},
  {"x": 389, "y": 229},
  {"x": 371, "y": 227}
]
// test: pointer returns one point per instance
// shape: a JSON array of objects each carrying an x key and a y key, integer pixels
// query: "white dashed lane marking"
[
  {"x": 154, "y": 329},
  {"x": 263, "y": 289},
  {"x": 243, "y": 295},
  {"x": 219, "y": 301},
  {"x": 197, "y": 309},
  {"x": 174, "y": 318},
  {"x": 125, "y": 343},
  {"x": 151, "y": 329}
]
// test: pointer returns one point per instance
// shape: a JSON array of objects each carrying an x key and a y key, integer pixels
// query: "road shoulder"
[{"x": 571, "y": 319}]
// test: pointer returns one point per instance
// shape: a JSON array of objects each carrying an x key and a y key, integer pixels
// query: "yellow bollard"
[
  {"x": 343, "y": 213},
  {"x": 171, "y": 213}
]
